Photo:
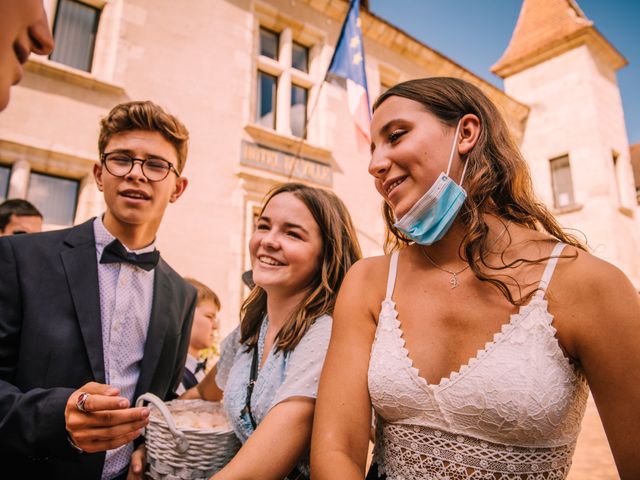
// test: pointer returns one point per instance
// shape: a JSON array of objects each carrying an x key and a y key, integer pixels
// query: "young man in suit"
[{"x": 91, "y": 317}]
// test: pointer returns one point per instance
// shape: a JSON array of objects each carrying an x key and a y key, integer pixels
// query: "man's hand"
[{"x": 107, "y": 422}]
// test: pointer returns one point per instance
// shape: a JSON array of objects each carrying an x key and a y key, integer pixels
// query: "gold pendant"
[{"x": 454, "y": 280}]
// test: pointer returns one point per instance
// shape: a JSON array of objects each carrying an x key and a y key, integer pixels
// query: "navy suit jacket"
[{"x": 51, "y": 345}]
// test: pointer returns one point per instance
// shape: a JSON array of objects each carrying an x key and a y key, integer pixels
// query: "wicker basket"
[{"x": 189, "y": 453}]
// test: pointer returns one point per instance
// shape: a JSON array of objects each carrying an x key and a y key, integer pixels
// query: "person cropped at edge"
[
  {"x": 23, "y": 29},
  {"x": 477, "y": 339},
  {"x": 302, "y": 246},
  {"x": 18, "y": 216},
  {"x": 91, "y": 317}
]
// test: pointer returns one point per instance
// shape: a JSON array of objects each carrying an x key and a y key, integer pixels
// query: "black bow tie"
[
  {"x": 200, "y": 366},
  {"x": 116, "y": 253}
]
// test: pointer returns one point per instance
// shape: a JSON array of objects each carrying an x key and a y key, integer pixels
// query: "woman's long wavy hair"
[
  {"x": 340, "y": 250},
  {"x": 497, "y": 181}
]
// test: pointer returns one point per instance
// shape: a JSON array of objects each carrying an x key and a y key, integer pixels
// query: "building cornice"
[{"x": 73, "y": 76}]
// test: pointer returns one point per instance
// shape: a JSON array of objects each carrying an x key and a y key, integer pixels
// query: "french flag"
[{"x": 347, "y": 69}]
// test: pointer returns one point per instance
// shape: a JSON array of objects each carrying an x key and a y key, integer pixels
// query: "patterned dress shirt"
[{"x": 126, "y": 295}]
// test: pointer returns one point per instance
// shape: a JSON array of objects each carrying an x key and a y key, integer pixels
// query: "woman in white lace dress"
[{"x": 477, "y": 338}]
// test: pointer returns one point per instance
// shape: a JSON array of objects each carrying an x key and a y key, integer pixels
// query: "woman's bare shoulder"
[
  {"x": 589, "y": 276},
  {"x": 370, "y": 266},
  {"x": 366, "y": 280},
  {"x": 592, "y": 301},
  {"x": 593, "y": 293}
]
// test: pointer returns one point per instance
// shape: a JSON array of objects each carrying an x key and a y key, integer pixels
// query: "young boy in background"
[{"x": 205, "y": 326}]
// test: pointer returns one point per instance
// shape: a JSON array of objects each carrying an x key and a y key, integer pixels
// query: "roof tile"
[{"x": 541, "y": 24}]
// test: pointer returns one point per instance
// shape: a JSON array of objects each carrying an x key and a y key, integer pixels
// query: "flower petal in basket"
[
  {"x": 181, "y": 441},
  {"x": 200, "y": 425}
]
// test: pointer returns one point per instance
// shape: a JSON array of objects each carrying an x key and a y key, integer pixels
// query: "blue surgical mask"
[{"x": 432, "y": 215}]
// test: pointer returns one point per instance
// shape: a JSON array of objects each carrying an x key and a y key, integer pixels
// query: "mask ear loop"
[
  {"x": 453, "y": 147},
  {"x": 453, "y": 150},
  {"x": 464, "y": 170}
]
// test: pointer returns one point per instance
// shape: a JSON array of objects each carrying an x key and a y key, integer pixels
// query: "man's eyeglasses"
[{"x": 120, "y": 164}]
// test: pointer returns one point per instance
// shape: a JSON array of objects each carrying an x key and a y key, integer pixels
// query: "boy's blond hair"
[{"x": 204, "y": 293}]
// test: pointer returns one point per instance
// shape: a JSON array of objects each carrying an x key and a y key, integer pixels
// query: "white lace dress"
[{"x": 513, "y": 412}]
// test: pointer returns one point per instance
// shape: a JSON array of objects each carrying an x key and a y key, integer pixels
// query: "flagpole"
[
  {"x": 306, "y": 126},
  {"x": 317, "y": 99}
]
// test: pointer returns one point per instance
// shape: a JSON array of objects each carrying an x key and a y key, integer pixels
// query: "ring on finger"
[
  {"x": 74, "y": 445},
  {"x": 82, "y": 398}
]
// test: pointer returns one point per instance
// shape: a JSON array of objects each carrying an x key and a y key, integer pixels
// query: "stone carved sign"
[{"x": 286, "y": 164}]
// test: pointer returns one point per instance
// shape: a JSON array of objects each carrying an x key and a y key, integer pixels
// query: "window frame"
[
  {"x": 286, "y": 74},
  {"x": 4, "y": 190},
  {"x": 565, "y": 159},
  {"x": 76, "y": 196},
  {"x": 306, "y": 49},
  {"x": 303, "y": 134},
  {"x": 277, "y": 35},
  {"x": 615, "y": 157},
  {"x": 257, "y": 116},
  {"x": 95, "y": 34}
]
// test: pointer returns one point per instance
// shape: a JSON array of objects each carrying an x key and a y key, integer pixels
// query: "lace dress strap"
[
  {"x": 391, "y": 280},
  {"x": 548, "y": 271}
]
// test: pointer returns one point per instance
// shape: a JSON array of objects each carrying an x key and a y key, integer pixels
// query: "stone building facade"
[
  {"x": 212, "y": 63},
  {"x": 244, "y": 75}
]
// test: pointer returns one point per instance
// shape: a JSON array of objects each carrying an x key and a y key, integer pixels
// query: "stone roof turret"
[{"x": 547, "y": 28}]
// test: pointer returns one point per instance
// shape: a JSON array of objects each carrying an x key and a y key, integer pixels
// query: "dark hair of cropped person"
[
  {"x": 18, "y": 207},
  {"x": 497, "y": 181},
  {"x": 145, "y": 116},
  {"x": 340, "y": 250}
]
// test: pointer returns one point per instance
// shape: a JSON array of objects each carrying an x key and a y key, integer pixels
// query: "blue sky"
[{"x": 475, "y": 33}]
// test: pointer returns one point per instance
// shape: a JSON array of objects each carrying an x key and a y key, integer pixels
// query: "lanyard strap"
[
  {"x": 295, "y": 474},
  {"x": 253, "y": 374}
]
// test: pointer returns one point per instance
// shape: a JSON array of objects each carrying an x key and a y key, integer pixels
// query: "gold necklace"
[{"x": 454, "y": 275}]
